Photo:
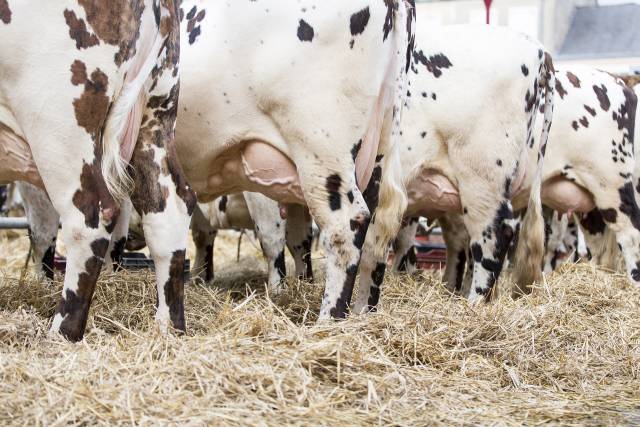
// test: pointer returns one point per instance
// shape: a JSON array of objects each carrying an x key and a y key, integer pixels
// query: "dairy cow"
[
  {"x": 604, "y": 147},
  {"x": 88, "y": 101},
  {"x": 467, "y": 133},
  {"x": 590, "y": 168},
  {"x": 306, "y": 113}
]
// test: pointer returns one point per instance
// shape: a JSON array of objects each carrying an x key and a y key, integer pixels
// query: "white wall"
[{"x": 523, "y": 15}]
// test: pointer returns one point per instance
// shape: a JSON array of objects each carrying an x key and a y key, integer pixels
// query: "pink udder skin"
[
  {"x": 432, "y": 195},
  {"x": 564, "y": 196},
  {"x": 268, "y": 168},
  {"x": 16, "y": 159}
]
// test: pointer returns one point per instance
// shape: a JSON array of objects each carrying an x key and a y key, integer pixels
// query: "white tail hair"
[
  {"x": 114, "y": 167},
  {"x": 392, "y": 196},
  {"x": 529, "y": 253}
]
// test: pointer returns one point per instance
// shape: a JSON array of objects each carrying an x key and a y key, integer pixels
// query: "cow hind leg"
[
  {"x": 456, "y": 239},
  {"x": 343, "y": 218},
  {"x": 299, "y": 237},
  {"x": 271, "y": 231},
  {"x": 88, "y": 222},
  {"x": 373, "y": 264},
  {"x": 204, "y": 237},
  {"x": 165, "y": 203},
  {"x": 43, "y": 227},
  {"x": 405, "y": 258}
]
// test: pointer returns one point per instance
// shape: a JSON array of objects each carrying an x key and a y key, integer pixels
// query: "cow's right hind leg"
[
  {"x": 43, "y": 227},
  {"x": 299, "y": 239},
  {"x": 204, "y": 236},
  {"x": 555, "y": 230},
  {"x": 271, "y": 231},
  {"x": 405, "y": 259},
  {"x": 456, "y": 239}
]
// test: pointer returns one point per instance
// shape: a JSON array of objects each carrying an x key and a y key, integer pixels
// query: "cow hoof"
[
  {"x": 162, "y": 320},
  {"x": 475, "y": 298}
]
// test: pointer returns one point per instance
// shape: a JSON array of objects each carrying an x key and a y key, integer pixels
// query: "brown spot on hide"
[
  {"x": 5, "y": 12},
  {"x": 148, "y": 195},
  {"x": 174, "y": 290},
  {"x": 603, "y": 98},
  {"x": 560, "y": 89},
  {"x": 573, "y": 79},
  {"x": 78, "y": 73},
  {"x": 93, "y": 105},
  {"x": 115, "y": 22},
  {"x": 93, "y": 198},
  {"x": 78, "y": 31}
]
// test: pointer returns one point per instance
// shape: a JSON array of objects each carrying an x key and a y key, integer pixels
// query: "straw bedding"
[{"x": 567, "y": 354}]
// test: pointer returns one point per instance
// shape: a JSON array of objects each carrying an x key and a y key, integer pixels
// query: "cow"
[
  {"x": 88, "y": 104},
  {"x": 305, "y": 110},
  {"x": 590, "y": 168},
  {"x": 258, "y": 212},
  {"x": 467, "y": 133},
  {"x": 606, "y": 233}
]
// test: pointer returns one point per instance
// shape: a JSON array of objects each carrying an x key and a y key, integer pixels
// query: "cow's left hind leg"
[
  {"x": 405, "y": 259},
  {"x": 271, "y": 231},
  {"x": 299, "y": 239},
  {"x": 165, "y": 203}
]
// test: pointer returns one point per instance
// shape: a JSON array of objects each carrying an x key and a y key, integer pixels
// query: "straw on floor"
[{"x": 567, "y": 354}]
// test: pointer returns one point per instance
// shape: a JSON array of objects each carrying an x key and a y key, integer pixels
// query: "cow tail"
[
  {"x": 392, "y": 195},
  {"x": 529, "y": 253},
  {"x": 114, "y": 167}
]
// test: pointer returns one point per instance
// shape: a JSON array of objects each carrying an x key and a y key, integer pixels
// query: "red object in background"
[{"x": 487, "y": 5}]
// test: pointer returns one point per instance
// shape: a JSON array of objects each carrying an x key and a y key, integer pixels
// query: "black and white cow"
[
  {"x": 467, "y": 133},
  {"x": 88, "y": 92},
  {"x": 599, "y": 150},
  {"x": 590, "y": 169},
  {"x": 303, "y": 105}
]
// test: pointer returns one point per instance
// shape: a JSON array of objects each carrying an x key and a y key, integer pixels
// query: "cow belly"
[
  {"x": 431, "y": 194},
  {"x": 16, "y": 160},
  {"x": 565, "y": 196}
]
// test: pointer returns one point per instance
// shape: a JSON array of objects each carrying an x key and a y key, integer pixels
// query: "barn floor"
[{"x": 567, "y": 354}]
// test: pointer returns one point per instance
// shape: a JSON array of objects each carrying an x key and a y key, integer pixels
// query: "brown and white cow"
[
  {"x": 88, "y": 92},
  {"x": 301, "y": 103},
  {"x": 467, "y": 133}
]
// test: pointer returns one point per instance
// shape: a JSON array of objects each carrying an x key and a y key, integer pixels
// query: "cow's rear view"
[{"x": 90, "y": 88}]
